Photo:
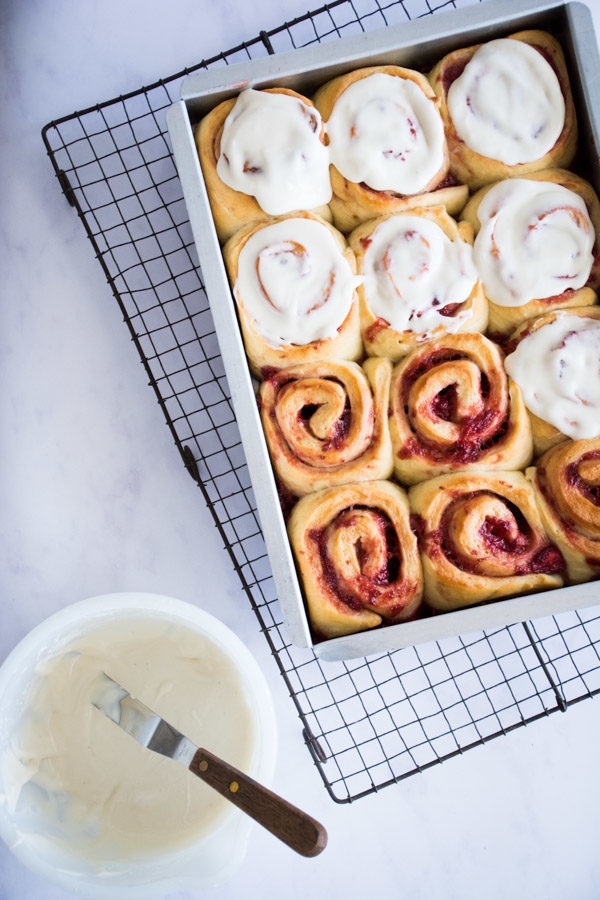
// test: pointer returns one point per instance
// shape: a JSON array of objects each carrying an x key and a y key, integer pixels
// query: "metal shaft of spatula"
[{"x": 288, "y": 823}]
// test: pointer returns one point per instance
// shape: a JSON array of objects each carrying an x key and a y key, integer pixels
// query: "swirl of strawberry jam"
[
  {"x": 323, "y": 412},
  {"x": 361, "y": 560},
  {"x": 568, "y": 477},
  {"x": 452, "y": 409},
  {"x": 584, "y": 476},
  {"x": 485, "y": 534}
]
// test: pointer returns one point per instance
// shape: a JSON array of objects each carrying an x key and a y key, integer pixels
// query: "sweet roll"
[
  {"x": 536, "y": 245},
  {"x": 419, "y": 281},
  {"x": 452, "y": 408},
  {"x": 481, "y": 537},
  {"x": 566, "y": 481},
  {"x": 326, "y": 423},
  {"x": 294, "y": 283},
  {"x": 555, "y": 359},
  {"x": 507, "y": 108},
  {"x": 263, "y": 154},
  {"x": 357, "y": 556},
  {"x": 387, "y": 145}
]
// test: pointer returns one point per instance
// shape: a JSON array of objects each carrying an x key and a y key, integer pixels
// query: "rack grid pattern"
[{"x": 369, "y": 722}]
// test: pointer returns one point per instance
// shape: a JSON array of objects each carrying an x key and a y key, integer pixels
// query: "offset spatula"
[{"x": 292, "y": 826}]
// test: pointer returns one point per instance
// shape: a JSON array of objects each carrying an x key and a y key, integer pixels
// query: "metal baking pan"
[{"x": 418, "y": 44}]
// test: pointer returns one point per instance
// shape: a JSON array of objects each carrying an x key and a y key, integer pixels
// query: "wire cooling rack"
[{"x": 369, "y": 722}]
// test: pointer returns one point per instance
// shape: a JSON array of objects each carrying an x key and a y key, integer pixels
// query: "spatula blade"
[{"x": 139, "y": 721}]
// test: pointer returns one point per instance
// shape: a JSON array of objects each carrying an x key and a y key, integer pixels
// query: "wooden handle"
[{"x": 292, "y": 826}]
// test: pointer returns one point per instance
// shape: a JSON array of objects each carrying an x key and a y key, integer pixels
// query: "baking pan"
[{"x": 419, "y": 45}]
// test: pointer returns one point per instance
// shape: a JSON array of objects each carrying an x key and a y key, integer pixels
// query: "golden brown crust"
[
  {"x": 544, "y": 434},
  {"x": 357, "y": 556},
  {"x": 378, "y": 337},
  {"x": 452, "y": 407},
  {"x": 504, "y": 319},
  {"x": 566, "y": 481},
  {"x": 481, "y": 538},
  {"x": 354, "y": 203},
  {"x": 476, "y": 170},
  {"x": 263, "y": 355},
  {"x": 231, "y": 209},
  {"x": 326, "y": 424}
]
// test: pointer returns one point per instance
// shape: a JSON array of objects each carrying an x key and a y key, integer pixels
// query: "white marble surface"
[{"x": 94, "y": 499}]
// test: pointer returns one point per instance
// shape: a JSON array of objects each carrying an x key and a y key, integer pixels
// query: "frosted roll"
[
  {"x": 383, "y": 131},
  {"x": 536, "y": 240},
  {"x": 558, "y": 370},
  {"x": 507, "y": 104},
  {"x": 412, "y": 271},
  {"x": 294, "y": 282},
  {"x": 271, "y": 148}
]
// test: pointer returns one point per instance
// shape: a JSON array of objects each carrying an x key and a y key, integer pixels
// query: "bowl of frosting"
[{"x": 85, "y": 805}]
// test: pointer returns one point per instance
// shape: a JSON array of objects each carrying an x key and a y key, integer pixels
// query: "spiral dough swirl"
[
  {"x": 357, "y": 556},
  {"x": 452, "y": 406},
  {"x": 326, "y": 423},
  {"x": 567, "y": 480},
  {"x": 481, "y": 537}
]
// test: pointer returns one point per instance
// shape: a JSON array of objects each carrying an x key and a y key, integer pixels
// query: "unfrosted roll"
[
  {"x": 567, "y": 484},
  {"x": 453, "y": 408},
  {"x": 357, "y": 556},
  {"x": 481, "y": 538},
  {"x": 326, "y": 423}
]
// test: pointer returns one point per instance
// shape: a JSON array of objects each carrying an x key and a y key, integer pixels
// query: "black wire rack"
[{"x": 370, "y": 722}]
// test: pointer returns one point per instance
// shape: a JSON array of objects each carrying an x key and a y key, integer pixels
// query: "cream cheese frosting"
[
  {"x": 384, "y": 131},
  {"x": 557, "y": 368},
  {"x": 507, "y": 104},
  {"x": 271, "y": 148},
  {"x": 536, "y": 240},
  {"x": 294, "y": 282},
  {"x": 78, "y": 779},
  {"x": 412, "y": 271}
]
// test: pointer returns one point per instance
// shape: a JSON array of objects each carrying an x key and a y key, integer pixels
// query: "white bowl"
[{"x": 212, "y": 858}]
